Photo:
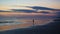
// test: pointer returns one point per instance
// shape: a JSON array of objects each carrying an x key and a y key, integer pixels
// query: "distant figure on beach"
[{"x": 33, "y": 22}]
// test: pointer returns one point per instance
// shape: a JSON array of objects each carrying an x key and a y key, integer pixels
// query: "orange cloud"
[{"x": 23, "y": 14}]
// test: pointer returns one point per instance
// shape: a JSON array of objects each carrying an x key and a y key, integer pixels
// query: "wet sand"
[{"x": 27, "y": 23}]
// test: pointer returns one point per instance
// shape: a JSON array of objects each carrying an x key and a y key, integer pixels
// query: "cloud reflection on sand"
[{"x": 26, "y": 23}]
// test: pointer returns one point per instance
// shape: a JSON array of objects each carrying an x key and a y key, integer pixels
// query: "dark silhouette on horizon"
[
  {"x": 22, "y": 10},
  {"x": 42, "y": 8}
]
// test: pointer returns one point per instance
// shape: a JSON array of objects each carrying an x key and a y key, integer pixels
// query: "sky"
[{"x": 9, "y": 4}]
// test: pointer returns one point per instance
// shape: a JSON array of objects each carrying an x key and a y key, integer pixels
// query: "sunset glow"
[{"x": 11, "y": 4}]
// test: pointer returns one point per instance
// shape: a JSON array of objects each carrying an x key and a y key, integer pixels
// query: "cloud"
[
  {"x": 16, "y": 14},
  {"x": 23, "y": 10}
]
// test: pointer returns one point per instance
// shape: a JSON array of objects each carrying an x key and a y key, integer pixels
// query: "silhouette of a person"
[{"x": 33, "y": 22}]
